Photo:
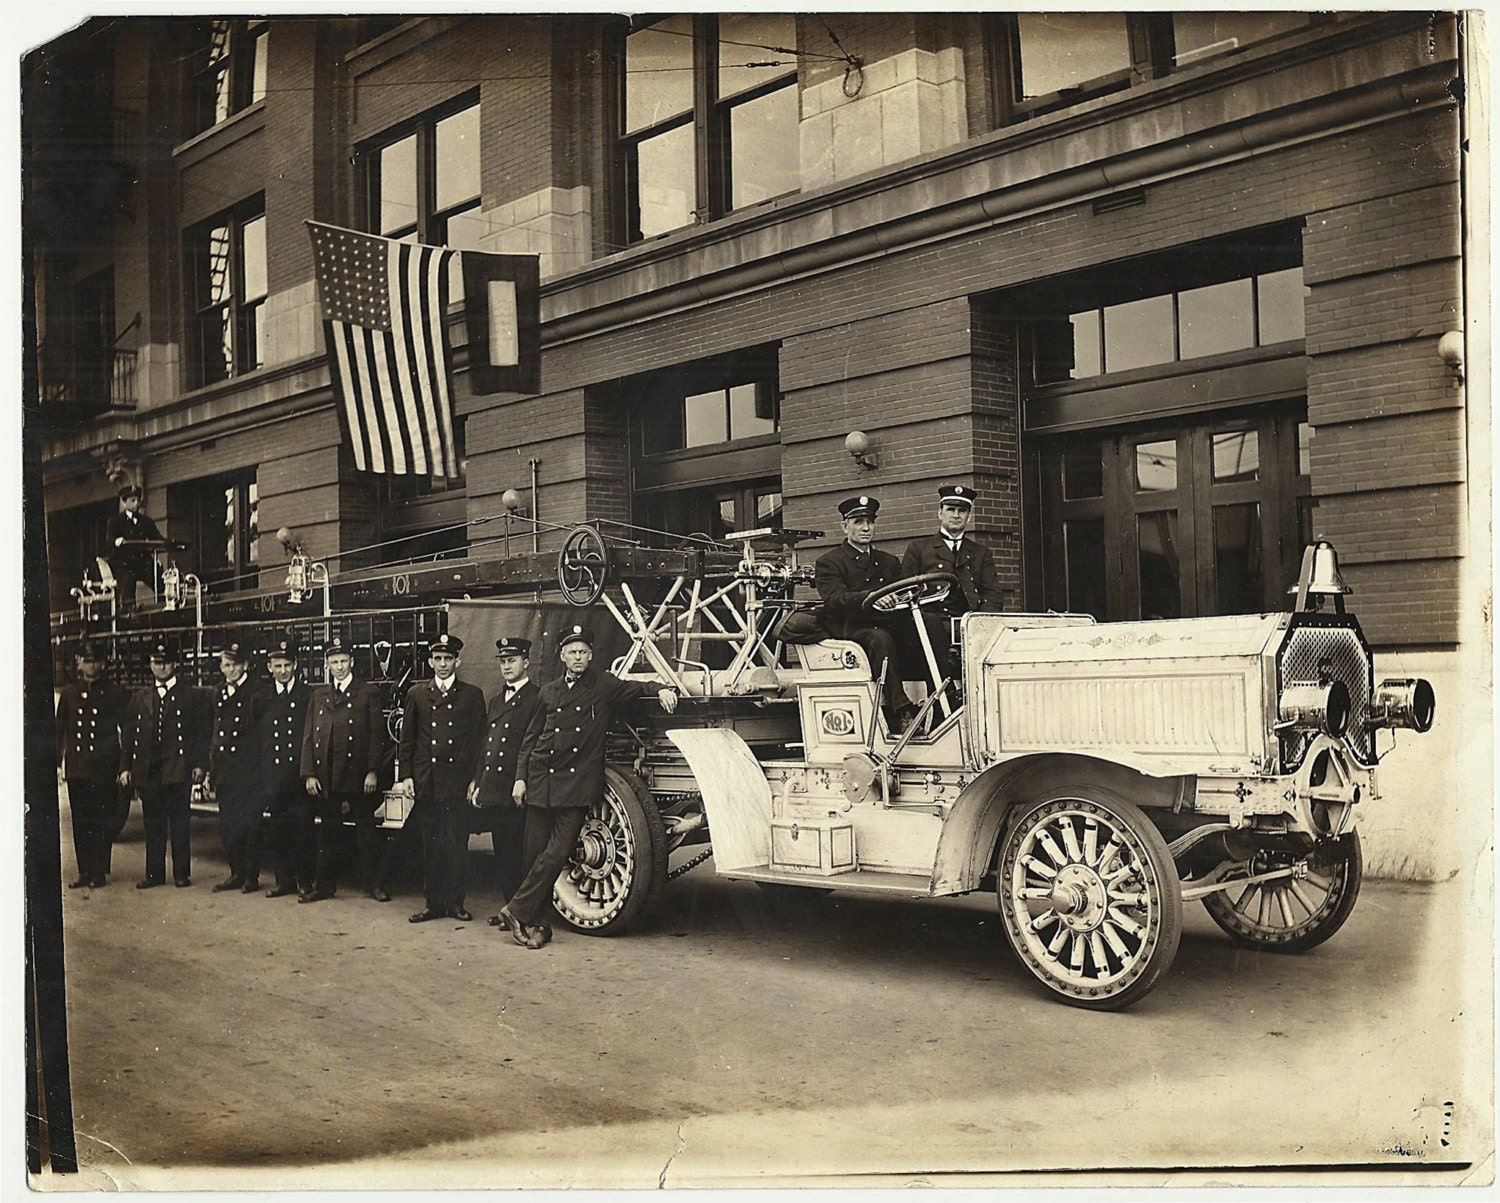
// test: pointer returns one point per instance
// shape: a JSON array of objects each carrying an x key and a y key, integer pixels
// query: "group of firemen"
[{"x": 287, "y": 761}]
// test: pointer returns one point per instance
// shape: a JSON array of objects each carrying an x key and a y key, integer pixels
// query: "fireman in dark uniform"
[
  {"x": 234, "y": 768},
  {"x": 341, "y": 758},
  {"x": 122, "y": 535},
  {"x": 165, "y": 749},
  {"x": 440, "y": 733},
  {"x": 89, "y": 713},
  {"x": 848, "y": 574},
  {"x": 493, "y": 789},
  {"x": 560, "y": 774},
  {"x": 953, "y": 550},
  {"x": 292, "y": 832}
]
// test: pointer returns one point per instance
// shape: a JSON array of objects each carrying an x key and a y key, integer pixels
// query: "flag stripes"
[{"x": 384, "y": 304}]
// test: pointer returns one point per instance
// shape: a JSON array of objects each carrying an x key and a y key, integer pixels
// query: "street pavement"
[{"x": 223, "y": 1040}]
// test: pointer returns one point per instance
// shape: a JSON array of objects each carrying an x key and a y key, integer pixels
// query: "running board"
[{"x": 866, "y": 881}]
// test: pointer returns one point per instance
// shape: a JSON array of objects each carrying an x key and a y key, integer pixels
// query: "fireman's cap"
[
  {"x": 858, "y": 507},
  {"x": 88, "y": 650},
  {"x": 130, "y": 491},
  {"x": 284, "y": 649},
  {"x": 235, "y": 653},
  {"x": 510, "y": 645},
  {"x": 337, "y": 647},
  {"x": 575, "y": 634},
  {"x": 451, "y": 644},
  {"x": 163, "y": 652},
  {"x": 960, "y": 495}
]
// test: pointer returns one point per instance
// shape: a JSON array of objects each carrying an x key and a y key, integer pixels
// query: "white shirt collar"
[
  {"x": 513, "y": 686},
  {"x": 167, "y": 685}
]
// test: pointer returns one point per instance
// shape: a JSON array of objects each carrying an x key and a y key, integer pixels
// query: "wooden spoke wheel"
[
  {"x": 1293, "y": 914},
  {"x": 1089, "y": 896},
  {"x": 619, "y": 863}
]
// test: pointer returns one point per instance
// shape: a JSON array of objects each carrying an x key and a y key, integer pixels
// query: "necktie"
[{"x": 954, "y": 545}]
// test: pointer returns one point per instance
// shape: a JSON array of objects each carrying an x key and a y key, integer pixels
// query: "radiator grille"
[{"x": 1309, "y": 652}]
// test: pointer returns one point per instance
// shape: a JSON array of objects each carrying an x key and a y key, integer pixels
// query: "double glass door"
[{"x": 1174, "y": 521}]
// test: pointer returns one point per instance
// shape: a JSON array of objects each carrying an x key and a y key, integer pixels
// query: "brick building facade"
[{"x": 1170, "y": 300}]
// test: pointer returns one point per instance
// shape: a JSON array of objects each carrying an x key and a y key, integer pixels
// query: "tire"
[
  {"x": 1089, "y": 897},
  {"x": 620, "y": 862},
  {"x": 1289, "y": 914}
]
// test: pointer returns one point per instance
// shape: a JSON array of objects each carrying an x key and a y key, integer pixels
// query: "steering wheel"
[
  {"x": 583, "y": 566},
  {"x": 910, "y": 591}
]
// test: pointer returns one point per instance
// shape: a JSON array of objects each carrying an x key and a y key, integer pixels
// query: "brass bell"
[{"x": 1320, "y": 574}]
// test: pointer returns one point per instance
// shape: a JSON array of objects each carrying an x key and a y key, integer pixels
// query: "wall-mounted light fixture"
[
  {"x": 1451, "y": 349},
  {"x": 857, "y": 444}
]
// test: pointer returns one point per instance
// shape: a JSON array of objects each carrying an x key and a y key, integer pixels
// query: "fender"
[
  {"x": 736, "y": 795},
  {"x": 972, "y": 828}
]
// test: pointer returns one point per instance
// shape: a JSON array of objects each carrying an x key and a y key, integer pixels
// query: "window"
[
  {"x": 422, "y": 182},
  {"x": 718, "y": 415},
  {"x": 1043, "y": 61},
  {"x": 708, "y": 118},
  {"x": 230, "y": 72},
  {"x": 1172, "y": 521},
  {"x": 706, "y": 445},
  {"x": 221, "y": 514},
  {"x": 227, "y": 262},
  {"x": 1201, "y": 35}
]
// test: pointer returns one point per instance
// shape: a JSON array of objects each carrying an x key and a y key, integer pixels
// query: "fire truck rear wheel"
[
  {"x": 1089, "y": 896},
  {"x": 620, "y": 862},
  {"x": 1291, "y": 914}
]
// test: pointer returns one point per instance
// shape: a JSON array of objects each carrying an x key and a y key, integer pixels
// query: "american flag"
[{"x": 384, "y": 306}]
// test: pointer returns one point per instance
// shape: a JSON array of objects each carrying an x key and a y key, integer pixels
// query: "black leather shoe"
[
  {"x": 282, "y": 891},
  {"x": 497, "y": 921},
  {"x": 234, "y": 883},
  {"x": 147, "y": 882},
  {"x": 313, "y": 896},
  {"x": 425, "y": 914},
  {"x": 251, "y": 887},
  {"x": 460, "y": 914},
  {"x": 97, "y": 883},
  {"x": 379, "y": 895},
  {"x": 79, "y": 884},
  {"x": 182, "y": 882}
]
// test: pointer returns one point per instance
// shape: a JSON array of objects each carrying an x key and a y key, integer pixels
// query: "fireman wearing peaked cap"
[
  {"x": 234, "y": 768},
  {"x": 493, "y": 789},
  {"x": 845, "y": 577},
  {"x": 560, "y": 773},
  {"x": 953, "y": 549},
  {"x": 440, "y": 731},
  {"x": 90, "y": 711}
]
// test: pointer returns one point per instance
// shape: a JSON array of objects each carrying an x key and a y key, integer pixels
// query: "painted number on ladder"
[{"x": 401, "y": 584}]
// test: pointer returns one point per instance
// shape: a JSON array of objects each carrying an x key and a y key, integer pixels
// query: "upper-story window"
[
  {"x": 1044, "y": 61},
  {"x": 227, "y": 265},
  {"x": 230, "y": 73},
  {"x": 422, "y": 182},
  {"x": 708, "y": 118},
  {"x": 1202, "y": 35}
]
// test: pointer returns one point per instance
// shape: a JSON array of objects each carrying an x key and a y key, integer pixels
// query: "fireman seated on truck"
[
  {"x": 848, "y": 574},
  {"x": 953, "y": 549}
]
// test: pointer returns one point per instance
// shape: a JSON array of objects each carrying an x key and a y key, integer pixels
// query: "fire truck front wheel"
[
  {"x": 1089, "y": 896},
  {"x": 1293, "y": 914},
  {"x": 619, "y": 864}
]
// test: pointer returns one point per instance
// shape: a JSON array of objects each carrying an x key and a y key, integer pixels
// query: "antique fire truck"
[{"x": 1096, "y": 776}]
